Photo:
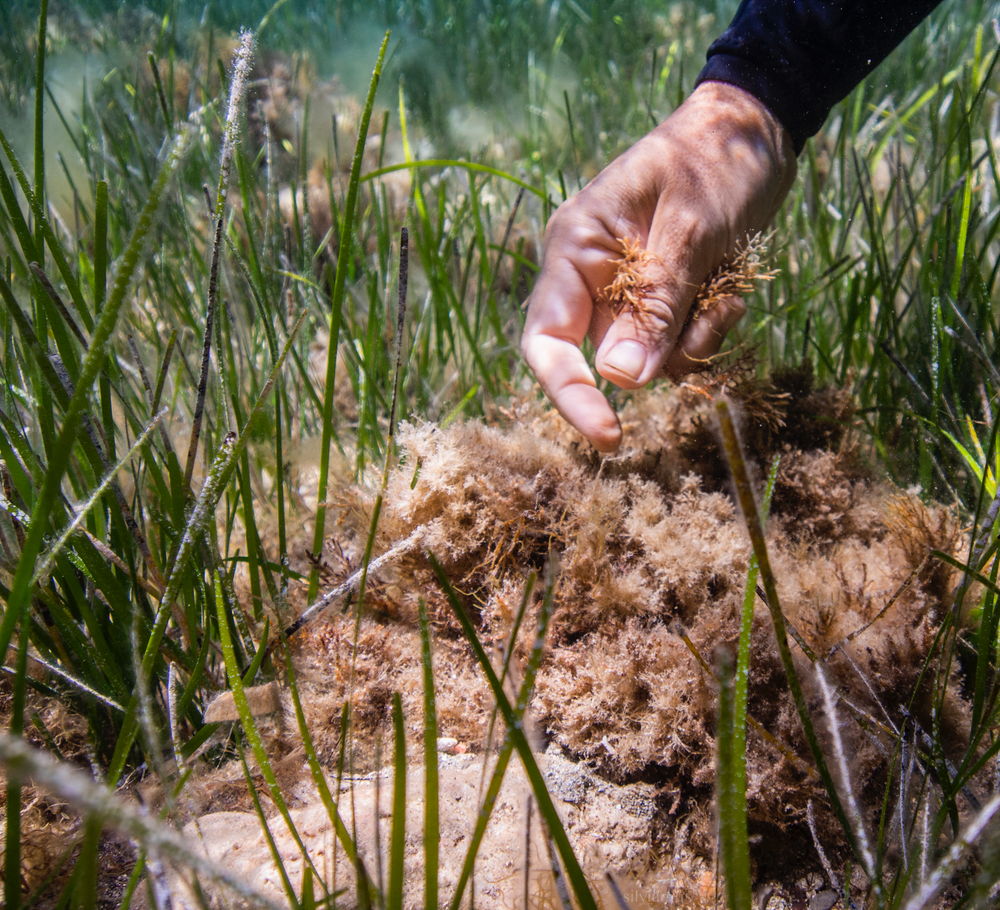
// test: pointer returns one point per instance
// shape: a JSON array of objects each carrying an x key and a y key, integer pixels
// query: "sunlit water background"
[{"x": 486, "y": 80}]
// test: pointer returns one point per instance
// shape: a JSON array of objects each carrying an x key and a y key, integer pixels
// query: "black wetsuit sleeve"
[{"x": 800, "y": 57}]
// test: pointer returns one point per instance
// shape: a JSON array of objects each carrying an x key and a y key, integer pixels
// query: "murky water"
[{"x": 68, "y": 76}]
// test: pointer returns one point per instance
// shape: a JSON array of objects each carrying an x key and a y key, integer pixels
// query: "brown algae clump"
[
  {"x": 735, "y": 277},
  {"x": 653, "y": 554},
  {"x": 653, "y": 560}
]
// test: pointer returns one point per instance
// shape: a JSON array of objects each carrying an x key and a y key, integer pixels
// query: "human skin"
[{"x": 713, "y": 172}]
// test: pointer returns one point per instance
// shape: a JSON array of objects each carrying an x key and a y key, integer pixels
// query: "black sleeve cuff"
[{"x": 800, "y": 57}]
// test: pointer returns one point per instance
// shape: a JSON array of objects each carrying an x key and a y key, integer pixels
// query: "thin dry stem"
[
  {"x": 952, "y": 859},
  {"x": 824, "y": 861}
]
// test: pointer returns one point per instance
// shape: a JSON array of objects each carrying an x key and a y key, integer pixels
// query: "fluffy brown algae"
[{"x": 653, "y": 558}]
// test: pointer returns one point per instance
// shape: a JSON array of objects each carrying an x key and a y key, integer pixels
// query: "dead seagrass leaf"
[{"x": 265, "y": 699}]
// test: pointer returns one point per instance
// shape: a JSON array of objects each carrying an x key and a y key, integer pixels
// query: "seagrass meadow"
[{"x": 310, "y": 599}]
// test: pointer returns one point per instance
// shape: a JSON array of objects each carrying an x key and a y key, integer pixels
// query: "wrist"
[{"x": 751, "y": 136}]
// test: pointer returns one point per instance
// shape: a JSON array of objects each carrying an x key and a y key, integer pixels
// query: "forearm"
[{"x": 800, "y": 57}]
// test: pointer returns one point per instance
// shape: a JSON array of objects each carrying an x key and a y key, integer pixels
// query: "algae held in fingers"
[
  {"x": 631, "y": 283},
  {"x": 734, "y": 277}
]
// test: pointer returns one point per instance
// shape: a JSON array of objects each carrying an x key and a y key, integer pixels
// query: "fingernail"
[{"x": 628, "y": 358}]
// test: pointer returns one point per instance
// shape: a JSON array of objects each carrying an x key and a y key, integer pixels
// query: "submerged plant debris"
[{"x": 737, "y": 276}]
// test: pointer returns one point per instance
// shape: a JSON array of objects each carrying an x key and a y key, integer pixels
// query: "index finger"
[{"x": 559, "y": 316}]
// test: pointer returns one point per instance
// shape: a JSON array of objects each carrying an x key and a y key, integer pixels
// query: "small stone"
[
  {"x": 446, "y": 743},
  {"x": 825, "y": 900}
]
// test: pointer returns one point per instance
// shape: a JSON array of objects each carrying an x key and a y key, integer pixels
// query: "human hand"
[{"x": 715, "y": 171}]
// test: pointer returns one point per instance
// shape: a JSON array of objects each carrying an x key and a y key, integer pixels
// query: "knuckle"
[
  {"x": 691, "y": 227},
  {"x": 656, "y": 317},
  {"x": 565, "y": 218}
]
